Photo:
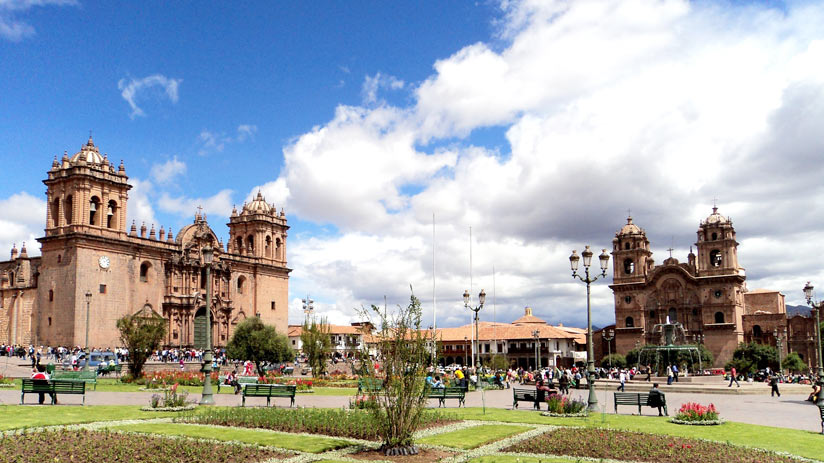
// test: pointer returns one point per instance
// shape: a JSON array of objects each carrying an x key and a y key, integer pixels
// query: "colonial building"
[
  {"x": 91, "y": 263},
  {"x": 707, "y": 295}
]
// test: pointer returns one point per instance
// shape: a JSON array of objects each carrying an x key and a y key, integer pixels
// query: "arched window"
[
  {"x": 250, "y": 244},
  {"x": 268, "y": 246},
  {"x": 629, "y": 266},
  {"x": 51, "y": 295},
  {"x": 629, "y": 322},
  {"x": 55, "y": 212},
  {"x": 239, "y": 245},
  {"x": 94, "y": 206},
  {"x": 59, "y": 258},
  {"x": 11, "y": 278},
  {"x": 111, "y": 215},
  {"x": 719, "y": 317},
  {"x": 144, "y": 271},
  {"x": 756, "y": 331},
  {"x": 715, "y": 258},
  {"x": 240, "y": 283},
  {"x": 673, "y": 315},
  {"x": 67, "y": 209},
  {"x": 714, "y": 236},
  {"x": 278, "y": 249},
  {"x": 626, "y": 245}
]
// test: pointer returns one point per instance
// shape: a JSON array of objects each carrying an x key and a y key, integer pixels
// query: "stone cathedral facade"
[{"x": 90, "y": 257}]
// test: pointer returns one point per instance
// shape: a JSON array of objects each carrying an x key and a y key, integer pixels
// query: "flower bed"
[
  {"x": 6, "y": 382},
  {"x": 159, "y": 379},
  {"x": 631, "y": 446},
  {"x": 357, "y": 424},
  {"x": 106, "y": 446},
  {"x": 170, "y": 401},
  {"x": 692, "y": 413},
  {"x": 560, "y": 405}
]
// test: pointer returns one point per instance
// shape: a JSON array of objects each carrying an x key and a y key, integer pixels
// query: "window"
[
  {"x": 240, "y": 281},
  {"x": 557, "y": 345},
  {"x": 756, "y": 331},
  {"x": 267, "y": 249},
  {"x": 293, "y": 342},
  {"x": 59, "y": 258},
  {"x": 273, "y": 305},
  {"x": 111, "y": 217},
  {"x": 49, "y": 321},
  {"x": 672, "y": 315},
  {"x": 718, "y": 294},
  {"x": 94, "y": 206},
  {"x": 694, "y": 312},
  {"x": 628, "y": 299},
  {"x": 278, "y": 249},
  {"x": 626, "y": 246},
  {"x": 144, "y": 272},
  {"x": 714, "y": 236},
  {"x": 67, "y": 209},
  {"x": 629, "y": 322},
  {"x": 55, "y": 212},
  {"x": 239, "y": 245},
  {"x": 250, "y": 244},
  {"x": 719, "y": 317},
  {"x": 102, "y": 289},
  {"x": 51, "y": 295},
  {"x": 652, "y": 314},
  {"x": 629, "y": 266},
  {"x": 715, "y": 258}
]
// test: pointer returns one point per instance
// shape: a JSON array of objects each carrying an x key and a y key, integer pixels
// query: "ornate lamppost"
[
  {"x": 466, "y": 352},
  {"x": 481, "y": 300},
  {"x": 88, "y": 352},
  {"x": 608, "y": 336},
  {"x": 206, "y": 397},
  {"x": 573, "y": 263},
  {"x": 537, "y": 335},
  {"x": 778, "y": 335},
  {"x": 816, "y": 307}
]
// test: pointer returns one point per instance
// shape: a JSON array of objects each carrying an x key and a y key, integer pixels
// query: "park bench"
[
  {"x": 89, "y": 376},
  {"x": 289, "y": 370},
  {"x": 821, "y": 409},
  {"x": 370, "y": 385},
  {"x": 115, "y": 368},
  {"x": 53, "y": 387},
  {"x": 533, "y": 396},
  {"x": 638, "y": 399},
  {"x": 443, "y": 393},
  {"x": 242, "y": 381},
  {"x": 269, "y": 391}
]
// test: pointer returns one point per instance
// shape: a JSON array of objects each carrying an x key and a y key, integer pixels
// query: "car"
[{"x": 97, "y": 358}]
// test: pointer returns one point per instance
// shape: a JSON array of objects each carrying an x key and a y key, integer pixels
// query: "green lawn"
[
  {"x": 23, "y": 416},
  {"x": 475, "y": 436},
  {"x": 311, "y": 444},
  {"x": 802, "y": 443}
]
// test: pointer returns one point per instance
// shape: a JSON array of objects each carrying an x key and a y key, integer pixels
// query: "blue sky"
[{"x": 536, "y": 123}]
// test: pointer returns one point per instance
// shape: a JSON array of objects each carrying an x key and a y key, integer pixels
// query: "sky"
[{"x": 442, "y": 146}]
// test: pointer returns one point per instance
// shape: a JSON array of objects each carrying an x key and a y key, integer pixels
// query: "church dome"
[
  {"x": 630, "y": 228},
  {"x": 257, "y": 206},
  {"x": 88, "y": 153},
  {"x": 716, "y": 218}
]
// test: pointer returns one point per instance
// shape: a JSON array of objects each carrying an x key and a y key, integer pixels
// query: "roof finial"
[
  {"x": 714, "y": 205},
  {"x": 90, "y": 142}
]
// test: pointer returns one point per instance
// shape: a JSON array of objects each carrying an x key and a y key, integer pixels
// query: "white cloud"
[
  {"x": 219, "y": 204},
  {"x": 604, "y": 106},
  {"x": 132, "y": 88},
  {"x": 140, "y": 205},
  {"x": 166, "y": 172},
  {"x": 217, "y": 141},
  {"x": 22, "y": 219},
  {"x": 373, "y": 84},
  {"x": 14, "y": 29},
  {"x": 245, "y": 131}
]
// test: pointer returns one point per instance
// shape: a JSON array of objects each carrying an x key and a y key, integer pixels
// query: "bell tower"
[
  {"x": 717, "y": 248},
  {"x": 259, "y": 231},
  {"x": 86, "y": 194},
  {"x": 631, "y": 256}
]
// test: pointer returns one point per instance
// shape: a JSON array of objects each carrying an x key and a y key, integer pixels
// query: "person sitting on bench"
[
  {"x": 40, "y": 376},
  {"x": 655, "y": 399}
]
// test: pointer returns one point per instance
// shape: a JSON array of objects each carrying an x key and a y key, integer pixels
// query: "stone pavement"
[{"x": 788, "y": 411}]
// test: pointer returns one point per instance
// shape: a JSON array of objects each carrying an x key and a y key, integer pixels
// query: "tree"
[
  {"x": 614, "y": 360},
  {"x": 257, "y": 342},
  {"x": 142, "y": 334},
  {"x": 793, "y": 363},
  {"x": 499, "y": 362},
  {"x": 316, "y": 344},
  {"x": 749, "y": 358},
  {"x": 404, "y": 354}
]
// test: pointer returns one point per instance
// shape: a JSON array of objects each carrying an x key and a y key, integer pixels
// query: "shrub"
[
  {"x": 692, "y": 411},
  {"x": 170, "y": 399},
  {"x": 6, "y": 380},
  {"x": 562, "y": 405},
  {"x": 363, "y": 402}
]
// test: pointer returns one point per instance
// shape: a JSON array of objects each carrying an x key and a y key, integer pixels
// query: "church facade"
[
  {"x": 707, "y": 295},
  {"x": 90, "y": 262}
]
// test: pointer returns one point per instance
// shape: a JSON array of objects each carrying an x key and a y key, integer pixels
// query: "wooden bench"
[
  {"x": 242, "y": 381},
  {"x": 53, "y": 387},
  {"x": 269, "y": 391},
  {"x": 89, "y": 376},
  {"x": 533, "y": 396},
  {"x": 115, "y": 368},
  {"x": 638, "y": 399},
  {"x": 370, "y": 385},
  {"x": 443, "y": 393}
]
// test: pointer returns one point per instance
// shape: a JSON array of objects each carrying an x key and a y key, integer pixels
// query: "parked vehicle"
[{"x": 97, "y": 358}]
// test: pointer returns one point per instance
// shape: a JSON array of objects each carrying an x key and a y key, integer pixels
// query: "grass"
[
  {"x": 311, "y": 444},
  {"x": 796, "y": 442},
  {"x": 25, "y": 416},
  {"x": 475, "y": 436}
]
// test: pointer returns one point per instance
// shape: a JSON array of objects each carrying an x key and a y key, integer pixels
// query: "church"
[
  {"x": 92, "y": 262},
  {"x": 707, "y": 295}
]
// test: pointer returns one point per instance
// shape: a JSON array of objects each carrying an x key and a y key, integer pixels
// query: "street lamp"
[
  {"x": 777, "y": 334},
  {"x": 700, "y": 338},
  {"x": 466, "y": 354},
  {"x": 88, "y": 353},
  {"x": 308, "y": 307},
  {"x": 481, "y": 299},
  {"x": 537, "y": 335},
  {"x": 573, "y": 263},
  {"x": 817, "y": 306},
  {"x": 608, "y": 337},
  {"x": 206, "y": 397}
]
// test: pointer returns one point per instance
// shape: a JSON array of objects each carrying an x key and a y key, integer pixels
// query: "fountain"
[{"x": 671, "y": 332}]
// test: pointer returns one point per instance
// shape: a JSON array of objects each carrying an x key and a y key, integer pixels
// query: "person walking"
[
  {"x": 623, "y": 378},
  {"x": 649, "y": 372},
  {"x": 669, "y": 375},
  {"x": 733, "y": 377},
  {"x": 675, "y": 372},
  {"x": 774, "y": 385}
]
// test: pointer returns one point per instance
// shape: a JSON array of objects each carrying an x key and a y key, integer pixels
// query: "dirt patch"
[{"x": 423, "y": 456}]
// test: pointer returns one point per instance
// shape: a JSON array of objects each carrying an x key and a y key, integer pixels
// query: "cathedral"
[
  {"x": 707, "y": 295},
  {"x": 93, "y": 263}
]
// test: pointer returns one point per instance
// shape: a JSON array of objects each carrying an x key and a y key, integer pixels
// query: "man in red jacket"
[{"x": 40, "y": 376}]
